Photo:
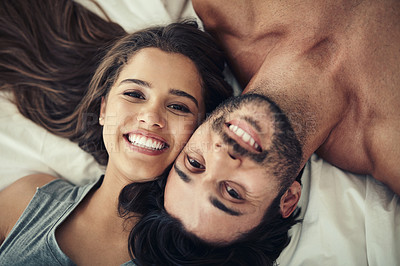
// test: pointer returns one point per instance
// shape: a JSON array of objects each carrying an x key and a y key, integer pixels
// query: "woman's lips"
[
  {"x": 244, "y": 134},
  {"x": 145, "y": 142}
]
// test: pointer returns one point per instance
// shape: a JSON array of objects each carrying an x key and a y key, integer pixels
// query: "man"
[
  {"x": 332, "y": 66},
  {"x": 242, "y": 159}
]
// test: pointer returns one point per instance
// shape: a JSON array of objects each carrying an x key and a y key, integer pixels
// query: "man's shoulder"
[{"x": 384, "y": 151}]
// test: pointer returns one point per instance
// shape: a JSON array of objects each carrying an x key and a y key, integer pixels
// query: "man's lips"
[{"x": 244, "y": 134}]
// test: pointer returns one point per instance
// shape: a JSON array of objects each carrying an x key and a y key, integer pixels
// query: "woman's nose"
[{"x": 152, "y": 117}]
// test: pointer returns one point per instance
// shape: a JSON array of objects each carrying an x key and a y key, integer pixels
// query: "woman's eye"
[
  {"x": 135, "y": 94},
  {"x": 179, "y": 107},
  {"x": 195, "y": 163},
  {"x": 232, "y": 192}
]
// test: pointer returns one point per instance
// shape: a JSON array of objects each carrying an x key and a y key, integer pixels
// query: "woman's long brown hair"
[
  {"x": 49, "y": 51},
  {"x": 60, "y": 60}
]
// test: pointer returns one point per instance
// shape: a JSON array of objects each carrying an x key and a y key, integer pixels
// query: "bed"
[{"x": 347, "y": 219}]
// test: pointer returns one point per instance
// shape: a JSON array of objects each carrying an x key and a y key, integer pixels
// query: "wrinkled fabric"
[{"x": 348, "y": 219}]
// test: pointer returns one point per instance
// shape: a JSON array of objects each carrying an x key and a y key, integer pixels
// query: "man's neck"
[{"x": 249, "y": 30}]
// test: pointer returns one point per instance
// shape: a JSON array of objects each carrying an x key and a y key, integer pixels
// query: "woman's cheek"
[
  {"x": 184, "y": 132},
  {"x": 189, "y": 126}
]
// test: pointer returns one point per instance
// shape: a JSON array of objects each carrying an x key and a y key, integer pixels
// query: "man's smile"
[{"x": 243, "y": 134}]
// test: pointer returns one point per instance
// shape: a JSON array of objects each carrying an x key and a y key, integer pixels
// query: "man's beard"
[{"x": 223, "y": 112}]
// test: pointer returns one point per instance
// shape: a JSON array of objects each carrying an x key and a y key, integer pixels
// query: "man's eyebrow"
[
  {"x": 184, "y": 94},
  {"x": 181, "y": 174},
  {"x": 218, "y": 204},
  {"x": 138, "y": 82},
  {"x": 214, "y": 201}
]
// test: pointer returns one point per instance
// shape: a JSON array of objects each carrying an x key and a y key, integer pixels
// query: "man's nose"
[
  {"x": 224, "y": 157},
  {"x": 152, "y": 116},
  {"x": 221, "y": 164}
]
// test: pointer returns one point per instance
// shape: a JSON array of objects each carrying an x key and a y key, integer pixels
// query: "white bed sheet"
[
  {"x": 348, "y": 219},
  {"x": 26, "y": 148}
]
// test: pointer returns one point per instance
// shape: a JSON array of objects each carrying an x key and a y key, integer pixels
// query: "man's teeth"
[
  {"x": 144, "y": 142},
  {"x": 244, "y": 135}
]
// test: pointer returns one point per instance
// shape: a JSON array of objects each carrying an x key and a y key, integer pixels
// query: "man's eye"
[
  {"x": 179, "y": 107},
  {"x": 195, "y": 163},
  {"x": 135, "y": 94},
  {"x": 232, "y": 192}
]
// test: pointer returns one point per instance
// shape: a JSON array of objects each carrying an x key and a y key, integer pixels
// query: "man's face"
[{"x": 220, "y": 185}]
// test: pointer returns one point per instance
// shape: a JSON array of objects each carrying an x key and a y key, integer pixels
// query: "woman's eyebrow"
[
  {"x": 176, "y": 92},
  {"x": 138, "y": 82},
  {"x": 184, "y": 94}
]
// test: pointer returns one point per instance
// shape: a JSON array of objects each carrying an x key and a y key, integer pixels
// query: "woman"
[{"x": 150, "y": 92}]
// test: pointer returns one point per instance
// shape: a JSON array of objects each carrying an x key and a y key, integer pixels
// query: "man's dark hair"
[{"x": 160, "y": 239}]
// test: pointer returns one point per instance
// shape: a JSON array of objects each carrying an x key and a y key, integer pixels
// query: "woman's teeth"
[
  {"x": 244, "y": 135},
  {"x": 145, "y": 142}
]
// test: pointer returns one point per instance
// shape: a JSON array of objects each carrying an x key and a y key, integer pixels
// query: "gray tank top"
[{"x": 32, "y": 240}]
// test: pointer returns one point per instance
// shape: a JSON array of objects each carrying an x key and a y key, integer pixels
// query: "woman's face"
[{"x": 150, "y": 113}]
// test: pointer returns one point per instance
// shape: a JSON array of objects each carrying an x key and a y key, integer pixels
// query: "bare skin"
[
  {"x": 332, "y": 66},
  {"x": 97, "y": 213},
  {"x": 101, "y": 233}
]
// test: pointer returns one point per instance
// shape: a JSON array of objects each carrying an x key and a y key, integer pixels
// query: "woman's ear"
[
  {"x": 290, "y": 199},
  {"x": 102, "y": 111}
]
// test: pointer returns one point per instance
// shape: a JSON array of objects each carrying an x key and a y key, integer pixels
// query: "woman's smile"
[{"x": 146, "y": 143}]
